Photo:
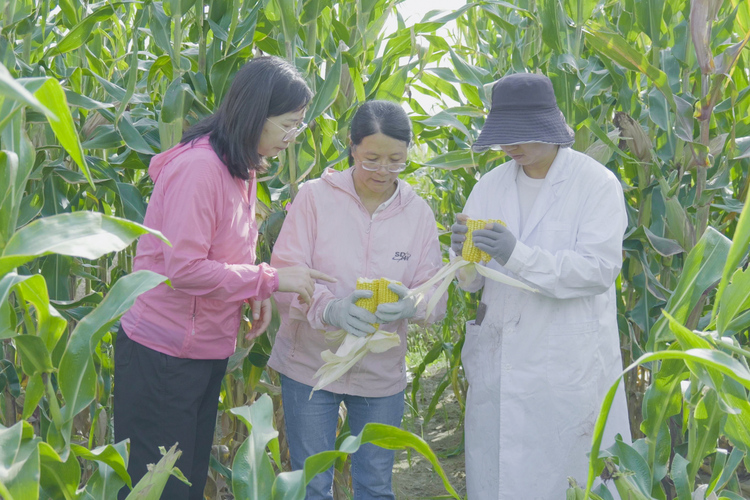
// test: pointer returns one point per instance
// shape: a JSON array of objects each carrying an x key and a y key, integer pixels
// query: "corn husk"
[{"x": 353, "y": 348}]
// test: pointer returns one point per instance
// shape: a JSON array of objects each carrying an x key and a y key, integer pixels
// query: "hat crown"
[{"x": 523, "y": 90}]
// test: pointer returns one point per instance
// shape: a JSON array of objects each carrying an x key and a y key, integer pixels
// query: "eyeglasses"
[
  {"x": 290, "y": 135},
  {"x": 374, "y": 166}
]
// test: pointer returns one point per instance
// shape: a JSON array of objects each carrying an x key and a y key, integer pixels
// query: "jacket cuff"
[
  {"x": 520, "y": 255},
  {"x": 268, "y": 281}
]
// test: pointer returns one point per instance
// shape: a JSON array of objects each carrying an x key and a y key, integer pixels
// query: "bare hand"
[
  {"x": 301, "y": 280},
  {"x": 262, "y": 311}
]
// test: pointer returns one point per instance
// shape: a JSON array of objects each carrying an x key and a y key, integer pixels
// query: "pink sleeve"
[
  {"x": 191, "y": 207},
  {"x": 294, "y": 247}
]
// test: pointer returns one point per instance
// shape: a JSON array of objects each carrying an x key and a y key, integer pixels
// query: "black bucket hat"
[{"x": 524, "y": 110}]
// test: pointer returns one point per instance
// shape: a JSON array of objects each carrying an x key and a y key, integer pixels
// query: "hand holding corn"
[
  {"x": 458, "y": 233},
  {"x": 496, "y": 240},
  {"x": 403, "y": 308},
  {"x": 347, "y": 315}
]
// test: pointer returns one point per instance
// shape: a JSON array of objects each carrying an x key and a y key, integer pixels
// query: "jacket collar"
[{"x": 344, "y": 181}]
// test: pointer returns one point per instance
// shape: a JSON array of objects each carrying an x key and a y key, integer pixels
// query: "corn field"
[{"x": 90, "y": 91}]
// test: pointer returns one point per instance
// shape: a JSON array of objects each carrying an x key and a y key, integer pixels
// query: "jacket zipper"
[{"x": 195, "y": 306}]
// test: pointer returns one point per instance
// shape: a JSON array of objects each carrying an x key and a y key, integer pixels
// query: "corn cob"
[
  {"x": 380, "y": 294},
  {"x": 469, "y": 251}
]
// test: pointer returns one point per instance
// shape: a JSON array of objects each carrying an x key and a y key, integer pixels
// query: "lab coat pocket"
[
  {"x": 470, "y": 353},
  {"x": 571, "y": 350}
]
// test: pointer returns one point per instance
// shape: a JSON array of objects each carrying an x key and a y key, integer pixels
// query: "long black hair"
[
  {"x": 385, "y": 117},
  {"x": 263, "y": 87}
]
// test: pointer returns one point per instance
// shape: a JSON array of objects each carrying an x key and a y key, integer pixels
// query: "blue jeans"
[{"x": 311, "y": 428}]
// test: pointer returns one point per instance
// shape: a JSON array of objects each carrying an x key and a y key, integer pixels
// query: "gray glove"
[
  {"x": 348, "y": 316},
  {"x": 499, "y": 242},
  {"x": 458, "y": 236},
  {"x": 394, "y": 311}
]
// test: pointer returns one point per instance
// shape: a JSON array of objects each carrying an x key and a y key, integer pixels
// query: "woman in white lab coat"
[{"x": 539, "y": 364}]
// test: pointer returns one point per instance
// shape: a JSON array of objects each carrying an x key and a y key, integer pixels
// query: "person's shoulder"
[
  {"x": 199, "y": 162},
  {"x": 586, "y": 167},
  {"x": 497, "y": 174}
]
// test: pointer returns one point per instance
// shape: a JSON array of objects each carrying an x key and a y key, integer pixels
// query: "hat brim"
[{"x": 518, "y": 126}]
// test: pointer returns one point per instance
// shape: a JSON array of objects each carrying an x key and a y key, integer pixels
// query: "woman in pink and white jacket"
[
  {"x": 173, "y": 345},
  {"x": 362, "y": 222}
]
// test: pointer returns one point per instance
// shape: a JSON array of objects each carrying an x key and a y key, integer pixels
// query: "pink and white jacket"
[
  {"x": 209, "y": 217},
  {"x": 329, "y": 229}
]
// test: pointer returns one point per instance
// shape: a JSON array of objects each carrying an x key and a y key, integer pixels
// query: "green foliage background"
[{"x": 655, "y": 90}]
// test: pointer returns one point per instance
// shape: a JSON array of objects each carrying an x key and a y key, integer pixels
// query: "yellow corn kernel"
[
  {"x": 469, "y": 251},
  {"x": 370, "y": 304},
  {"x": 385, "y": 295}
]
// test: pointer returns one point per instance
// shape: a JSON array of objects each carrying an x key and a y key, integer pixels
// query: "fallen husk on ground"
[{"x": 353, "y": 348}]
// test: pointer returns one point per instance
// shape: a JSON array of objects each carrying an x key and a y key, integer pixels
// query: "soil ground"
[{"x": 413, "y": 475}]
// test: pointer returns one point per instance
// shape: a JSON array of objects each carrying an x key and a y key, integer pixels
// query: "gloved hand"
[
  {"x": 394, "y": 311},
  {"x": 458, "y": 233},
  {"x": 499, "y": 242},
  {"x": 348, "y": 316}
]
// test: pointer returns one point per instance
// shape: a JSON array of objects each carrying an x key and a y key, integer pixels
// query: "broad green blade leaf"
[
  {"x": 707, "y": 358},
  {"x": 740, "y": 243},
  {"x": 113, "y": 456},
  {"x": 632, "y": 461},
  {"x": 82, "y": 31},
  {"x": 701, "y": 271},
  {"x": 8, "y": 201},
  {"x": 32, "y": 396},
  {"x": 77, "y": 375},
  {"x": 9, "y": 87},
  {"x": 79, "y": 234},
  {"x": 735, "y": 300},
  {"x": 19, "y": 462},
  {"x": 326, "y": 94},
  {"x": 50, "y": 324},
  {"x": 52, "y": 95},
  {"x": 35, "y": 358},
  {"x": 131, "y": 136},
  {"x": 252, "y": 471},
  {"x": 394, "y": 87},
  {"x": 648, "y": 16},
  {"x": 614, "y": 46},
  {"x": 152, "y": 484},
  {"x": 59, "y": 478},
  {"x": 468, "y": 73}
]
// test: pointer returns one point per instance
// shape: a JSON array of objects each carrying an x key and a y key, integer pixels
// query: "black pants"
[{"x": 161, "y": 400}]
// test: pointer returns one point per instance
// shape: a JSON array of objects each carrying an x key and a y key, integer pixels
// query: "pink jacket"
[
  {"x": 209, "y": 217},
  {"x": 328, "y": 229}
]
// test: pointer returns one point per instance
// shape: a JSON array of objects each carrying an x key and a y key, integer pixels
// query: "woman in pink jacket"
[
  {"x": 358, "y": 223},
  {"x": 172, "y": 348}
]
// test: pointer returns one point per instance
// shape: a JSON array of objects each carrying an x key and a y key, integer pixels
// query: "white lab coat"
[{"x": 540, "y": 363}]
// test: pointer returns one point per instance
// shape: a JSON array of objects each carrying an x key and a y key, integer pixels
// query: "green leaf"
[
  {"x": 79, "y": 234},
  {"x": 252, "y": 471},
  {"x": 77, "y": 374},
  {"x": 394, "y": 87},
  {"x": 112, "y": 456},
  {"x": 35, "y": 357},
  {"x": 82, "y": 31},
  {"x": 735, "y": 300},
  {"x": 52, "y": 95},
  {"x": 19, "y": 462},
  {"x": 152, "y": 484},
  {"x": 702, "y": 269},
  {"x": 32, "y": 395},
  {"x": 8, "y": 195},
  {"x": 614, "y": 46},
  {"x": 131, "y": 136},
  {"x": 326, "y": 94},
  {"x": 59, "y": 478},
  {"x": 740, "y": 243},
  {"x": 9, "y": 87},
  {"x": 49, "y": 323}
]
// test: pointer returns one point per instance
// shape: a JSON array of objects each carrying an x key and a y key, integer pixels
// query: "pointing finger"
[{"x": 321, "y": 276}]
